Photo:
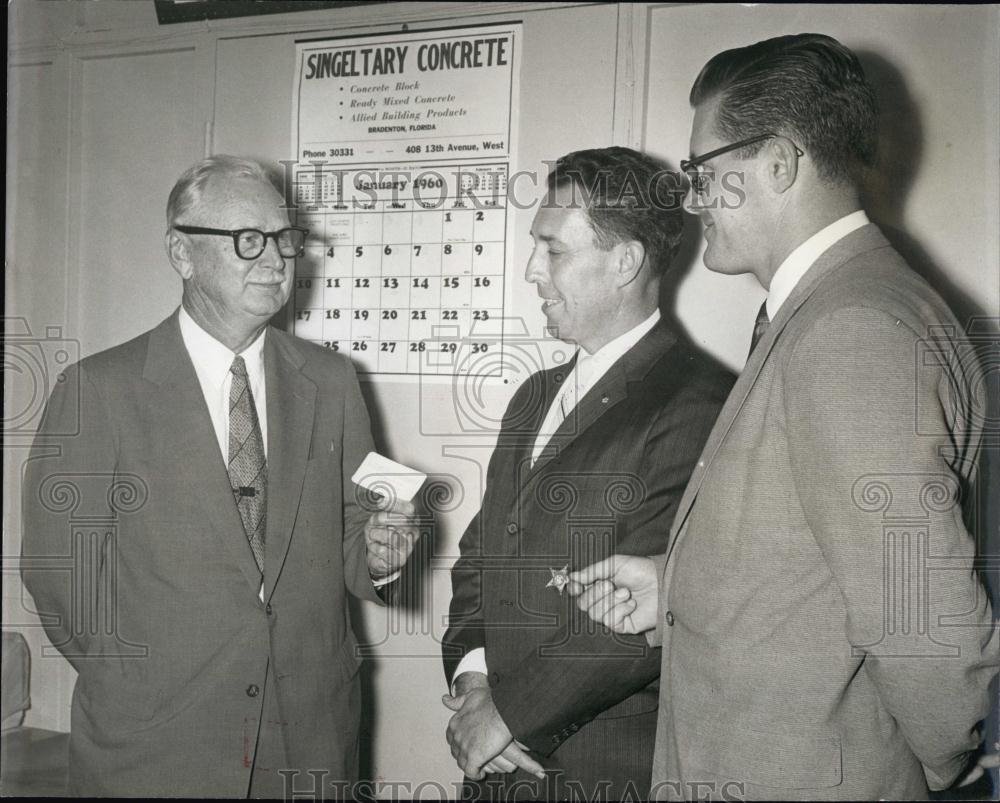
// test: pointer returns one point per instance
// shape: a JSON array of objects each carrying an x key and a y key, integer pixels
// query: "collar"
[
  {"x": 797, "y": 263},
  {"x": 615, "y": 349},
  {"x": 212, "y": 360}
]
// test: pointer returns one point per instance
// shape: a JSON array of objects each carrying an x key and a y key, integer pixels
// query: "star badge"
[{"x": 560, "y": 579}]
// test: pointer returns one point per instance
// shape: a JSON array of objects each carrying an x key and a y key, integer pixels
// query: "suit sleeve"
[
  {"x": 70, "y": 472},
  {"x": 465, "y": 613},
  {"x": 465, "y": 616},
  {"x": 858, "y": 372},
  {"x": 357, "y": 443},
  {"x": 590, "y": 668}
]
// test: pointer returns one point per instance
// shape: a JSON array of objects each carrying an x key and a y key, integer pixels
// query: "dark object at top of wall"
[{"x": 171, "y": 11}]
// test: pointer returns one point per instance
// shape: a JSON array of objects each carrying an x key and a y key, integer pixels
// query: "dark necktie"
[
  {"x": 759, "y": 327},
  {"x": 247, "y": 465}
]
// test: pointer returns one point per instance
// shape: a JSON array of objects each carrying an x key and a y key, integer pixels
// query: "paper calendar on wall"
[{"x": 403, "y": 147}]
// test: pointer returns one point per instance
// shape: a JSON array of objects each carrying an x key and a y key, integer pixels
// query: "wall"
[{"x": 106, "y": 108}]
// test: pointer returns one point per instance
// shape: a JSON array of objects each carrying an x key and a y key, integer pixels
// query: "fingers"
[
  {"x": 608, "y": 606},
  {"x": 519, "y": 757},
  {"x": 391, "y": 506},
  {"x": 500, "y": 764},
  {"x": 602, "y": 570},
  {"x": 595, "y": 594},
  {"x": 388, "y": 547}
]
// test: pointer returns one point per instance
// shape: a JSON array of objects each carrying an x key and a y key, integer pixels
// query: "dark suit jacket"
[
  {"x": 140, "y": 568},
  {"x": 609, "y": 481},
  {"x": 845, "y": 648}
]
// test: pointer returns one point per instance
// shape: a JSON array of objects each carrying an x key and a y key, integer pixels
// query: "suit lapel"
[
  {"x": 291, "y": 406},
  {"x": 179, "y": 410},
  {"x": 608, "y": 391},
  {"x": 866, "y": 238}
]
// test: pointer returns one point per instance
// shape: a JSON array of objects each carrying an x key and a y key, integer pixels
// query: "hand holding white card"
[{"x": 383, "y": 476}]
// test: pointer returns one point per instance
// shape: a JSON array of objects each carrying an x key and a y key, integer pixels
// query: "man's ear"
[
  {"x": 630, "y": 263},
  {"x": 782, "y": 164},
  {"x": 179, "y": 253}
]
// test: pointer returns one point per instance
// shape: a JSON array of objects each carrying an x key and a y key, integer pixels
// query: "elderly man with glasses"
[
  {"x": 824, "y": 632},
  {"x": 206, "y": 609}
]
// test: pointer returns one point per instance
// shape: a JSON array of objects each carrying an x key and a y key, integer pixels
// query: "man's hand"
[
  {"x": 508, "y": 760},
  {"x": 620, "y": 592},
  {"x": 480, "y": 741},
  {"x": 390, "y": 536}
]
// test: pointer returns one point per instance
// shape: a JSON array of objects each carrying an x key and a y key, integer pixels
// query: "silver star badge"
[{"x": 560, "y": 579}]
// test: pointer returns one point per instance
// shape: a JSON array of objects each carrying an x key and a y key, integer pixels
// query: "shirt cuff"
[
  {"x": 474, "y": 661},
  {"x": 389, "y": 578}
]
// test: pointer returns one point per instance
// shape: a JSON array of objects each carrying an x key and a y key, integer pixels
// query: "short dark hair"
[
  {"x": 808, "y": 87},
  {"x": 627, "y": 195}
]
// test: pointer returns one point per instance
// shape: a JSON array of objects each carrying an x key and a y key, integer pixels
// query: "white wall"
[
  {"x": 106, "y": 109},
  {"x": 936, "y": 70}
]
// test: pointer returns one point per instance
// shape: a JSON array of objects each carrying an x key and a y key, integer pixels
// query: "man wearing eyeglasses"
[
  {"x": 824, "y": 633},
  {"x": 207, "y": 618}
]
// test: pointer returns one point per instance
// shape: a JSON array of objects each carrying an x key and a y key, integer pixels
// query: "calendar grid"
[{"x": 402, "y": 267}]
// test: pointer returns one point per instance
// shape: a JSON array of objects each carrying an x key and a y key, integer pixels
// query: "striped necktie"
[
  {"x": 247, "y": 464},
  {"x": 759, "y": 327}
]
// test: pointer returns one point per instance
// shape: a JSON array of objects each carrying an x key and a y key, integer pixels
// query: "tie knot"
[{"x": 239, "y": 367}]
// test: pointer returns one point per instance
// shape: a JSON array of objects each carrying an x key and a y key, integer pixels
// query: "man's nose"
[
  {"x": 692, "y": 200},
  {"x": 271, "y": 258},
  {"x": 535, "y": 271}
]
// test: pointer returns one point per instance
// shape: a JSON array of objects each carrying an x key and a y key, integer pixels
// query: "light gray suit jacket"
[
  {"x": 824, "y": 633},
  {"x": 141, "y": 571}
]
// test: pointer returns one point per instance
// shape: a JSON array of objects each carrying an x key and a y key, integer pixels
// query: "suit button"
[
  {"x": 253, "y": 690},
  {"x": 669, "y": 618},
  {"x": 495, "y": 677},
  {"x": 267, "y": 609},
  {"x": 512, "y": 528}
]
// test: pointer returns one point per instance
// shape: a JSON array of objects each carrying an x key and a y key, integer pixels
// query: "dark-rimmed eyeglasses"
[
  {"x": 693, "y": 168},
  {"x": 250, "y": 243}
]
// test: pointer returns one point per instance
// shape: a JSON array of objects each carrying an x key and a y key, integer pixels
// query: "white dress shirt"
[
  {"x": 797, "y": 263},
  {"x": 212, "y": 362},
  {"x": 593, "y": 367}
]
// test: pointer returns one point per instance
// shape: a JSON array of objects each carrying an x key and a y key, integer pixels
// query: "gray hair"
[{"x": 188, "y": 190}]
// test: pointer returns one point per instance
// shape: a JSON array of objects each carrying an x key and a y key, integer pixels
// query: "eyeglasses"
[
  {"x": 250, "y": 243},
  {"x": 696, "y": 174}
]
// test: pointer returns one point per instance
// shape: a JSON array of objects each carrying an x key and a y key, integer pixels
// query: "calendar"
[{"x": 402, "y": 163}]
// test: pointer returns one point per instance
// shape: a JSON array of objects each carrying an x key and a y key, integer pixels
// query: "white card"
[{"x": 381, "y": 475}]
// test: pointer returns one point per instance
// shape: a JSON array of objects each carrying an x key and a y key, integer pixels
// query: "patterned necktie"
[
  {"x": 759, "y": 327},
  {"x": 247, "y": 465}
]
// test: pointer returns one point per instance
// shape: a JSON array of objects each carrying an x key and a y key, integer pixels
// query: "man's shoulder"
[
  {"x": 315, "y": 359},
  {"x": 127, "y": 359},
  {"x": 683, "y": 367},
  {"x": 879, "y": 281}
]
